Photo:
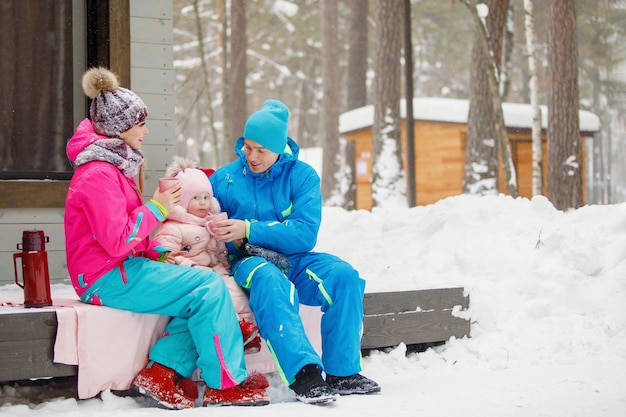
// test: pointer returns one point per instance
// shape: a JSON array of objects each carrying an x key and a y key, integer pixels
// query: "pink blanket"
[{"x": 111, "y": 346}]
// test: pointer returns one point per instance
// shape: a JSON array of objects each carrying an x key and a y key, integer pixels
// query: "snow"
[
  {"x": 452, "y": 110},
  {"x": 547, "y": 308},
  {"x": 483, "y": 10}
]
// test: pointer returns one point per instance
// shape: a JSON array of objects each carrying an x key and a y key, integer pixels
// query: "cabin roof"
[{"x": 450, "y": 110}]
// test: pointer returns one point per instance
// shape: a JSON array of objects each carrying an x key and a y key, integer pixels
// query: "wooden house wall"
[
  {"x": 152, "y": 78},
  {"x": 522, "y": 154},
  {"x": 440, "y": 161}
]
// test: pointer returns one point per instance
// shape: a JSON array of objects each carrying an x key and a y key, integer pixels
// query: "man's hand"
[{"x": 229, "y": 230}]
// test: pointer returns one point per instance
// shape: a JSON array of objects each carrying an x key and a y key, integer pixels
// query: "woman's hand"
[
  {"x": 169, "y": 198},
  {"x": 170, "y": 259},
  {"x": 171, "y": 256}
]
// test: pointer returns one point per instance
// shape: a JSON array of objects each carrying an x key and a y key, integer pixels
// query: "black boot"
[
  {"x": 310, "y": 387},
  {"x": 353, "y": 384}
]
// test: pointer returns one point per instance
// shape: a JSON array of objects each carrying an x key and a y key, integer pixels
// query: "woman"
[{"x": 113, "y": 262}]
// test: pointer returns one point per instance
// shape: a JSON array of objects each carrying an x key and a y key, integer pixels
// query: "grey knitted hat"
[{"x": 114, "y": 109}]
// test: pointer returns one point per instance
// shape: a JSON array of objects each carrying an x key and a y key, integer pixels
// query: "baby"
[{"x": 185, "y": 232}]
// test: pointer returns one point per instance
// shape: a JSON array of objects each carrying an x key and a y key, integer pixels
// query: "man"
[{"x": 274, "y": 201}]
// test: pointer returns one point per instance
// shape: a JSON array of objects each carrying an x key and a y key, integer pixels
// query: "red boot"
[
  {"x": 249, "y": 331},
  {"x": 169, "y": 388},
  {"x": 252, "y": 346},
  {"x": 252, "y": 391}
]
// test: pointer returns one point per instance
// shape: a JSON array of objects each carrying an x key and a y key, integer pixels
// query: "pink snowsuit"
[{"x": 182, "y": 231}]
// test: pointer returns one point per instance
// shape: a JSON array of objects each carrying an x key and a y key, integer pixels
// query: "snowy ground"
[{"x": 547, "y": 304}]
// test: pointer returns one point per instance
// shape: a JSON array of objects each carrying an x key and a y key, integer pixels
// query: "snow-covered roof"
[{"x": 455, "y": 111}]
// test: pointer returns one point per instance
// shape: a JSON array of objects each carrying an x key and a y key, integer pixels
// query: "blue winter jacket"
[{"x": 282, "y": 206}]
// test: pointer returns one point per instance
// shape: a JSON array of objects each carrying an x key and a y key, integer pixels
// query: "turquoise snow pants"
[
  {"x": 314, "y": 279},
  {"x": 203, "y": 331}
]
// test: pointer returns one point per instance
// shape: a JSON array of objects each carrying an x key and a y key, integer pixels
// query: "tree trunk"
[
  {"x": 206, "y": 90},
  {"x": 388, "y": 183},
  {"x": 531, "y": 42},
  {"x": 564, "y": 153},
  {"x": 238, "y": 70},
  {"x": 357, "y": 58},
  {"x": 481, "y": 150},
  {"x": 356, "y": 84},
  {"x": 221, "y": 150},
  {"x": 330, "y": 103},
  {"x": 409, "y": 123},
  {"x": 488, "y": 52}
]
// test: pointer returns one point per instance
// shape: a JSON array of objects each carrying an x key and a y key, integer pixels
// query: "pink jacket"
[
  {"x": 106, "y": 220},
  {"x": 186, "y": 232}
]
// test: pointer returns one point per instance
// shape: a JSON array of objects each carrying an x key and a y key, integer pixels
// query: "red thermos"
[{"x": 35, "y": 275}]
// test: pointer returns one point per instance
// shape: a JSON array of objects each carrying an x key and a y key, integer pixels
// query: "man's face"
[{"x": 259, "y": 159}]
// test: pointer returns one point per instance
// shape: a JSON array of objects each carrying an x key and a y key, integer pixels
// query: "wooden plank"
[
  {"x": 149, "y": 55},
  {"x": 30, "y": 359},
  {"x": 11, "y": 235},
  {"x": 151, "y": 30},
  {"x": 162, "y": 132},
  {"x": 10, "y": 216},
  {"x": 158, "y": 157},
  {"x": 157, "y": 81},
  {"x": 160, "y": 107},
  {"x": 413, "y": 317},
  {"x": 33, "y": 194},
  {"x": 159, "y": 9},
  {"x": 57, "y": 267},
  {"x": 28, "y": 325},
  {"x": 411, "y": 328},
  {"x": 418, "y": 300},
  {"x": 27, "y": 347}
]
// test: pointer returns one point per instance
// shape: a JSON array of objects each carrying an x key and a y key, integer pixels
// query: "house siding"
[{"x": 152, "y": 78}]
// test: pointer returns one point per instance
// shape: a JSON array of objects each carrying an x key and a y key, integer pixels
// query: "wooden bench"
[
  {"x": 410, "y": 317},
  {"x": 413, "y": 317},
  {"x": 27, "y": 346}
]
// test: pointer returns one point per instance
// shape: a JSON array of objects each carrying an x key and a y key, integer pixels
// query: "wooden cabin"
[
  {"x": 46, "y": 46},
  {"x": 440, "y": 129}
]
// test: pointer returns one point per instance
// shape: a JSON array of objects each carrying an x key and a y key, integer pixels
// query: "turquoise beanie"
[{"x": 268, "y": 126}]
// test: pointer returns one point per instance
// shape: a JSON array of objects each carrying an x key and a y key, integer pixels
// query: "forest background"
[{"x": 323, "y": 57}]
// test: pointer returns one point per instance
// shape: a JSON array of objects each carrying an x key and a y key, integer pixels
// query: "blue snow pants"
[
  {"x": 314, "y": 279},
  {"x": 203, "y": 331}
]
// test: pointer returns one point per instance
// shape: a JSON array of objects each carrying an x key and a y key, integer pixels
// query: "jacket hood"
[
  {"x": 291, "y": 152},
  {"x": 83, "y": 137}
]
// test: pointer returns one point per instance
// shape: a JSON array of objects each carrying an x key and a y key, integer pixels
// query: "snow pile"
[{"x": 547, "y": 291}]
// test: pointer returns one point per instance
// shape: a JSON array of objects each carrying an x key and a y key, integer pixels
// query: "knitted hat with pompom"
[
  {"x": 193, "y": 181},
  {"x": 113, "y": 109}
]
